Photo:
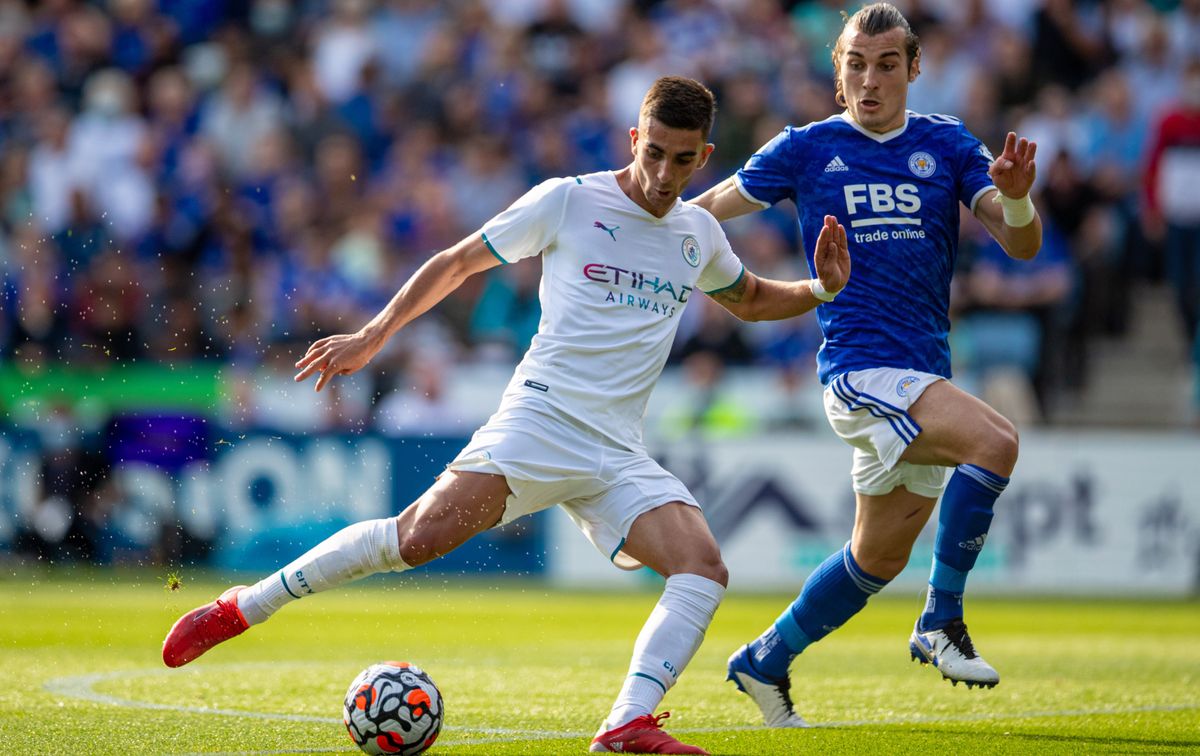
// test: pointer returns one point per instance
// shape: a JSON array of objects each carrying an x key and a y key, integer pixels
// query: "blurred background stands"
[{"x": 201, "y": 188}]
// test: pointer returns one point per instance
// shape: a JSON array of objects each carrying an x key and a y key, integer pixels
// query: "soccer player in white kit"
[{"x": 622, "y": 257}]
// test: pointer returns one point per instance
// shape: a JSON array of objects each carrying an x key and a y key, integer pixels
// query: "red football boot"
[
  {"x": 204, "y": 627},
  {"x": 642, "y": 735}
]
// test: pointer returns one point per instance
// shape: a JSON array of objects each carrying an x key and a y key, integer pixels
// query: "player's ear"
[
  {"x": 704, "y": 154},
  {"x": 914, "y": 68},
  {"x": 633, "y": 137}
]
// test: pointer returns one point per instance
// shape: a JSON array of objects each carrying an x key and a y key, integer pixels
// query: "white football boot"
[
  {"x": 951, "y": 651},
  {"x": 773, "y": 697}
]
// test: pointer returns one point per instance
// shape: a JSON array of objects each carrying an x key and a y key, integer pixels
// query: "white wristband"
[
  {"x": 819, "y": 292},
  {"x": 1017, "y": 212}
]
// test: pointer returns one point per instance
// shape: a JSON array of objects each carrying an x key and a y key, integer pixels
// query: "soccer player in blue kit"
[{"x": 894, "y": 179}]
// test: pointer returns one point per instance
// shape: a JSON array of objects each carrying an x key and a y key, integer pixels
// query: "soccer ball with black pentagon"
[{"x": 393, "y": 707}]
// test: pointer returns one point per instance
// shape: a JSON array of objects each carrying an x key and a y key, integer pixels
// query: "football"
[{"x": 393, "y": 707}]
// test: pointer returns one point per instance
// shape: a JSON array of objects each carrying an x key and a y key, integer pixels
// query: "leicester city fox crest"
[
  {"x": 691, "y": 251},
  {"x": 922, "y": 164}
]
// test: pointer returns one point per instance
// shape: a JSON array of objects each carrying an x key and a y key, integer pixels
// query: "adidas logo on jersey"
[{"x": 836, "y": 165}]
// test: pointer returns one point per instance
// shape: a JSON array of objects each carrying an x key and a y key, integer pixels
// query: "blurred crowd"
[{"x": 186, "y": 180}]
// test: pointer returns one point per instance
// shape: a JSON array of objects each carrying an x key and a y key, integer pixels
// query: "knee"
[
  {"x": 996, "y": 449},
  {"x": 415, "y": 550},
  {"x": 707, "y": 564},
  {"x": 1006, "y": 445},
  {"x": 883, "y": 566},
  {"x": 429, "y": 529},
  {"x": 421, "y": 541},
  {"x": 718, "y": 573}
]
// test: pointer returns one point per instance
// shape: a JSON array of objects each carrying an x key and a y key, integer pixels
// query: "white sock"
[
  {"x": 666, "y": 644},
  {"x": 353, "y": 552}
]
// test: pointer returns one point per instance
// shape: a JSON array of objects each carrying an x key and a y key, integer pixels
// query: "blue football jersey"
[{"x": 897, "y": 195}]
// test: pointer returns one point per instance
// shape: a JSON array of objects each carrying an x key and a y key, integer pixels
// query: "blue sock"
[
  {"x": 963, "y": 523},
  {"x": 835, "y": 591}
]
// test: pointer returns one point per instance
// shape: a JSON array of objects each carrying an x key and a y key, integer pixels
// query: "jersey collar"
[{"x": 884, "y": 137}]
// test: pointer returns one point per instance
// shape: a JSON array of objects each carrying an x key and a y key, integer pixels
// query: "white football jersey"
[{"x": 615, "y": 280}]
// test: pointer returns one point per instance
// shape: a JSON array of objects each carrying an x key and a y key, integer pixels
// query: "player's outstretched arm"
[
  {"x": 755, "y": 298},
  {"x": 1009, "y": 215},
  {"x": 441, "y": 274},
  {"x": 726, "y": 201}
]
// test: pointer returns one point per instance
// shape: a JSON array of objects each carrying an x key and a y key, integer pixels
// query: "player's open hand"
[
  {"x": 336, "y": 355},
  {"x": 831, "y": 256},
  {"x": 1014, "y": 170}
]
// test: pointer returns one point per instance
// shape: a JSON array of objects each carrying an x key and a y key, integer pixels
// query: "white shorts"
[
  {"x": 869, "y": 410},
  {"x": 549, "y": 458}
]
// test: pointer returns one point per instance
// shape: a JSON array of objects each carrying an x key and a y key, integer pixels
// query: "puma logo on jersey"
[{"x": 606, "y": 229}]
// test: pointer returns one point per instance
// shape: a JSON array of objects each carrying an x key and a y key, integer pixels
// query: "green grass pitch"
[{"x": 529, "y": 670}]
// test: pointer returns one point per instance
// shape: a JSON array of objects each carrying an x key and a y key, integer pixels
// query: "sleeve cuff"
[
  {"x": 492, "y": 249},
  {"x": 979, "y": 195},
  {"x": 742, "y": 190},
  {"x": 741, "y": 275}
]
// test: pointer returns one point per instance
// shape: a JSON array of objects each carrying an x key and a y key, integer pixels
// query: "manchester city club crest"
[
  {"x": 922, "y": 164},
  {"x": 691, "y": 251}
]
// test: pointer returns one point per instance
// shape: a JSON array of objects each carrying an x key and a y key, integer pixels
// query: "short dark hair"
[
  {"x": 680, "y": 103},
  {"x": 879, "y": 18}
]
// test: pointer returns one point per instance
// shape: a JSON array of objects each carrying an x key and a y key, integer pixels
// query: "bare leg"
[
  {"x": 674, "y": 539},
  {"x": 456, "y": 507},
  {"x": 885, "y": 529},
  {"x": 960, "y": 429}
]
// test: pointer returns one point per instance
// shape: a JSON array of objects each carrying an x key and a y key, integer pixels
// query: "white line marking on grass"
[{"x": 80, "y": 687}]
